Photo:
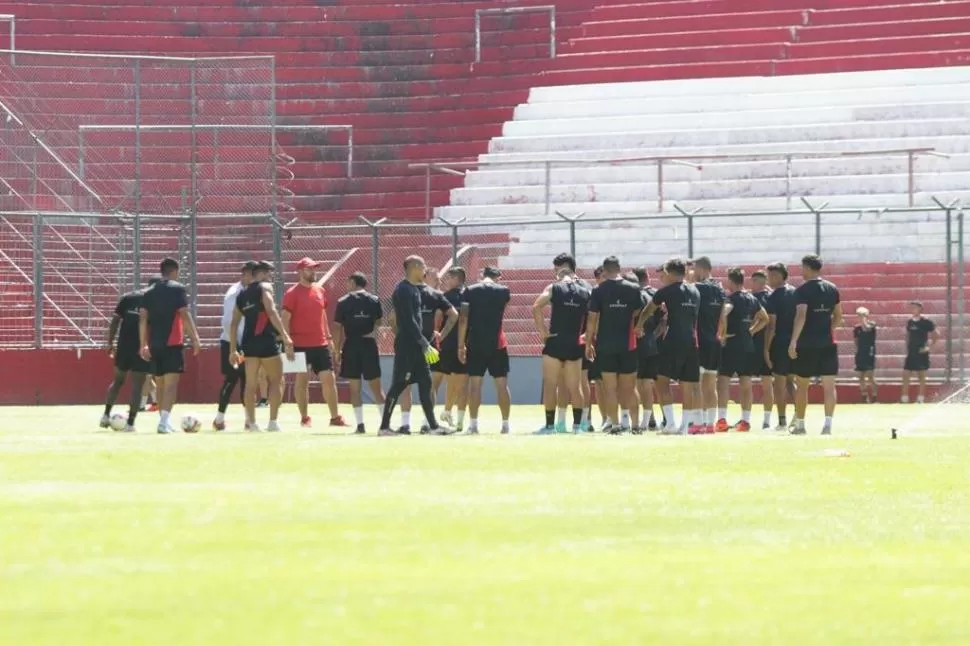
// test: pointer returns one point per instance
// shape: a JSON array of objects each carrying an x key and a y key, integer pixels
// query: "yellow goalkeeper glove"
[{"x": 431, "y": 355}]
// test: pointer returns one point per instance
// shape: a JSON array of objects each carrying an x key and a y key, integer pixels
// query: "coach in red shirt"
[{"x": 305, "y": 320}]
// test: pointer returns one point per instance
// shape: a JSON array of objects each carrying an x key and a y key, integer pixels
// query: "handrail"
[
  {"x": 455, "y": 167},
  {"x": 140, "y": 57},
  {"x": 12, "y": 19}
]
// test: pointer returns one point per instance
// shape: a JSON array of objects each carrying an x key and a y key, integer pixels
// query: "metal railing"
[
  {"x": 12, "y": 19},
  {"x": 479, "y": 13}
]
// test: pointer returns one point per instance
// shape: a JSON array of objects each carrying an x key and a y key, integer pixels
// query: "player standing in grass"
[
  {"x": 482, "y": 345},
  {"x": 124, "y": 324},
  {"x": 563, "y": 349},
  {"x": 561, "y": 262},
  {"x": 412, "y": 351},
  {"x": 679, "y": 358},
  {"x": 456, "y": 374},
  {"x": 647, "y": 350},
  {"x": 759, "y": 366},
  {"x": 163, "y": 317},
  {"x": 744, "y": 318},
  {"x": 231, "y": 373},
  {"x": 921, "y": 336},
  {"x": 593, "y": 375},
  {"x": 812, "y": 347},
  {"x": 864, "y": 336},
  {"x": 355, "y": 323},
  {"x": 709, "y": 321},
  {"x": 781, "y": 321}
]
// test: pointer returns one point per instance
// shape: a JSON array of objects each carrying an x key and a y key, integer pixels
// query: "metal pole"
[
  {"x": 552, "y": 32},
  {"x": 272, "y": 140},
  {"x": 788, "y": 182},
  {"x": 33, "y": 173},
  {"x": 277, "y": 243},
  {"x": 137, "y": 73},
  {"x": 910, "y": 164},
  {"x": 961, "y": 303},
  {"x": 949, "y": 296},
  {"x": 194, "y": 224},
  {"x": 427, "y": 192},
  {"x": 136, "y": 253},
  {"x": 350, "y": 151},
  {"x": 375, "y": 259},
  {"x": 660, "y": 186},
  {"x": 80, "y": 153},
  {"x": 818, "y": 233},
  {"x": 572, "y": 237},
  {"x": 478, "y": 36},
  {"x": 38, "y": 281},
  {"x": 13, "y": 41},
  {"x": 454, "y": 244},
  {"x": 690, "y": 235},
  {"x": 548, "y": 195}
]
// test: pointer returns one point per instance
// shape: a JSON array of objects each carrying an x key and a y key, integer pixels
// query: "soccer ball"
[
  {"x": 118, "y": 422},
  {"x": 191, "y": 424}
]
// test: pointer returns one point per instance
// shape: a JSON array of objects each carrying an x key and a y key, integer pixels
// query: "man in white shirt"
[{"x": 232, "y": 374}]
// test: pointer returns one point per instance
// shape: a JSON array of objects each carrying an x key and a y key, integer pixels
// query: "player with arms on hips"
[
  {"x": 355, "y": 324},
  {"x": 455, "y": 372},
  {"x": 679, "y": 359},
  {"x": 759, "y": 366},
  {"x": 648, "y": 351},
  {"x": 812, "y": 348},
  {"x": 231, "y": 373},
  {"x": 921, "y": 336},
  {"x": 781, "y": 308},
  {"x": 565, "y": 261},
  {"x": 260, "y": 347},
  {"x": 305, "y": 321},
  {"x": 745, "y": 318},
  {"x": 710, "y": 319},
  {"x": 482, "y": 345},
  {"x": 563, "y": 347},
  {"x": 412, "y": 351},
  {"x": 162, "y": 321},
  {"x": 864, "y": 336},
  {"x": 126, "y": 356}
]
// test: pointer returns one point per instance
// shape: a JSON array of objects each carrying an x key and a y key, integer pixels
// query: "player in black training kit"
[
  {"x": 759, "y": 365},
  {"x": 744, "y": 318},
  {"x": 710, "y": 318},
  {"x": 456, "y": 373},
  {"x": 781, "y": 320},
  {"x": 864, "y": 336},
  {"x": 126, "y": 356},
  {"x": 812, "y": 348},
  {"x": 563, "y": 346},
  {"x": 355, "y": 323},
  {"x": 678, "y": 359},
  {"x": 164, "y": 311},
  {"x": 921, "y": 336},
  {"x": 648, "y": 362},
  {"x": 412, "y": 351},
  {"x": 565, "y": 261}
]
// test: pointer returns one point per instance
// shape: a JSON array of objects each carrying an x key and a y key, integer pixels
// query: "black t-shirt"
[
  {"x": 918, "y": 334},
  {"x": 744, "y": 306},
  {"x": 453, "y": 296},
  {"x": 865, "y": 337},
  {"x": 127, "y": 311},
  {"x": 681, "y": 301},
  {"x": 647, "y": 344},
  {"x": 486, "y": 304},
  {"x": 781, "y": 304},
  {"x": 570, "y": 303},
  {"x": 407, "y": 312},
  {"x": 358, "y": 313},
  {"x": 820, "y": 298},
  {"x": 709, "y": 314},
  {"x": 432, "y": 302},
  {"x": 164, "y": 302},
  {"x": 250, "y": 303},
  {"x": 618, "y": 303},
  {"x": 762, "y": 298}
]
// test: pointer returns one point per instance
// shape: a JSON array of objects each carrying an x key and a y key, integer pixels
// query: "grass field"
[{"x": 320, "y": 538}]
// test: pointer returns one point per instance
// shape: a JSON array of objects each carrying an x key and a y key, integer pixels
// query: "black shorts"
[
  {"x": 592, "y": 369},
  {"x": 261, "y": 347},
  {"x": 449, "y": 364},
  {"x": 168, "y": 360},
  {"x": 709, "y": 355},
  {"x": 647, "y": 367},
  {"x": 817, "y": 362},
  {"x": 917, "y": 362},
  {"x": 679, "y": 363},
  {"x": 495, "y": 362},
  {"x": 735, "y": 362},
  {"x": 318, "y": 358},
  {"x": 623, "y": 362},
  {"x": 228, "y": 370},
  {"x": 128, "y": 360},
  {"x": 781, "y": 363},
  {"x": 865, "y": 364},
  {"x": 564, "y": 352},
  {"x": 411, "y": 369},
  {"x": 360, "y": 360}
]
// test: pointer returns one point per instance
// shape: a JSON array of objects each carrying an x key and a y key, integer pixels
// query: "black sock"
[
  {"x": 577, "y": 416},
  {"x": 550, "y": 418},
  {"x": 782, "y": 420}
]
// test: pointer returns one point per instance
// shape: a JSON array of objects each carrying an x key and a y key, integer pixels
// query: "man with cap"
[
  {"x": 305, "y": 320},
  {"x": 231, "y": 373}
]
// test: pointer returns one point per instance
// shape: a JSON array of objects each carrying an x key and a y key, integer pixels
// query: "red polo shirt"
[{"x": 308, "y": 315}]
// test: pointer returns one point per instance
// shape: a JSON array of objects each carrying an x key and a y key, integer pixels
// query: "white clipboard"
[{"x": 296, "y": 366}]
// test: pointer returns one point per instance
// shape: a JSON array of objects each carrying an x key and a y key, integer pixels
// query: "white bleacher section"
[{"x": 816, "y": 113}]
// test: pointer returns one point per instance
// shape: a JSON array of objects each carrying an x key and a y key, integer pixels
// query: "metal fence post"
[
  {"x": 818, "y": 223},
  {"x": 272, "y": 139},
  {"x": 137, "y": 74},
  {"x": 660, "y": 186},
  {"x": 949, "y": 296},
  {"x": 454, "y": 237},
  {"x": 548, "y": 183},
  {"x": 788, "y": 173},
  {"x": 961, "y": 303},
  {"x": 572, "y": 229},
  {"x": 427, "y": 192},
  {"x": 375, "y": 258},
  {"x": 38, "y": 241},
  {"x": 136, "y": 253},
  {"x": 690, "y": 226},
  {"x": 194, "y": 203}
]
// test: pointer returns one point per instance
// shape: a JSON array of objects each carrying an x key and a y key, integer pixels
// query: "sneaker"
[
  {"x": 797, "y": 430},
  {"x": 766, "y": 426},
  {"x": 637, "y": 430},
  {"x": 442, "y": 430},
  {"x": 360, "y": 430},
  {"x": 306, "y": 422},
  {"x": 165, "y": 429},
  {"x": 218, "y": 426},
  {"x": 545, "y": 430},
  {"x": 695, "y": 429},
  {"x": 653, "y": 424},
  {"x": 129, "y": 429},
  {"x": 722, "y": 426},
  {"x": 252, "y": 427},
  {"x": 709, "y": 429},
  {"x": 446, "y": 418},
  {"x": 590, "y": 428},
  {"x": 505, "y": 430},
  {"x": 338, "y": 421},
  {"x": 262, "y": 403},
  {"x": 560, "y": 427},
  {"x": 743, "y": 426},
  {"x": 671, "y": 430},
  {"x": 386, "y": 432},
  {"x": 425, "y": 429},
  {"x": 404, "y": 430},
  {"x": 577, "y": 428},
  {"x": 781, "y": 428},
  {"x": 472, "y": 431},
  {"x": 152, "y": 408},
  {"x": 273, "y": 427},
  {"x": 827, "y": 430},
  {"x": 105, "y": 421}
]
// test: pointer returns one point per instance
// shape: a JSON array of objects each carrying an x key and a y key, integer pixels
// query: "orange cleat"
[
  {"x": 742, "y": 426},
  {"x": 152, "y": 408},
  {"x": 708, "y": 429},
  {"x": 338, "y": 421},
  {"x": 306, "y": 422},
  {"x": 721, "y": 426}
]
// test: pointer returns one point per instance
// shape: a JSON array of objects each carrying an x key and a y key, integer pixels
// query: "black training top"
[
  {"x": 407, "y": 311},
  {"x": 865, "y": 337},
  {"x": 781, "y": 304},
  {"x": 358, "y": 313},
  {"x": 127, "y": 312},
  {"x": 164, "y": 302},
  {"x": 486, "y": 310},
  {"x": 681, "y": 302},
  {"x": 618, "y": 303},
  {"x": 453, "y": 296},
  {"x": 744, "y": 306},
  {"x": 570, "y": 303},
  {"x": 820, "y": 298},
  {"x": 759, "y": 338},
  {"x": 918, "y": 334},
  {"x": 250, "y": 303},
  {"x": 647, "y": 344},
  {"x": 432, "y": 301},
  {"x": 709, "y": 314}
]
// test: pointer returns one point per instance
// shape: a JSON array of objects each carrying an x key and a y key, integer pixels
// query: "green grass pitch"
[{"x": 312, "y": 537}]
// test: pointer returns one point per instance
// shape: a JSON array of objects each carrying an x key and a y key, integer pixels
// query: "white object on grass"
[
  {"x": 118, "y": 422},
  {"x": 191, "y": 424}
]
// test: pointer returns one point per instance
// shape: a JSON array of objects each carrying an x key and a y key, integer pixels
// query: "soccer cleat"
[
  {"x": 446, "y": 418},
  {"x": 637, "y": 430},
  {"x": 441, "y": 430},
  {"x": 505, "y": 430},
  {"x": 709, "y": 429},
  {"x": 105, "y": 421},
  {"x": 165, "y": 429},
  {"x": 695, "y": 429},
  {"x": 273, "y": 427},
  {"x": 545, "y": 430},
  {"x": 826, "y": 430},
  {"x": 129, "y": 429},
  {"x": 472, "y": 431},
  {"x": 766, "y": 426},
  {"x": 743, "y": 426},
  {"x": 386, "y": 432},
  {"x": 404, "y": 430},
  {"x": 577, "y": 428},
  {"x": 425, "y": 429},
  {"x": 590, "y": 428},
  {"x": 781, "y": 428},
  {"x": 671, "y": 430},
  {"x": 262, "y": 403},
  {"x": 306, "y": 422},
  {"x": 152, "y": 408},
  {"x": 218, "y": 426},
  {"x": 252, "y": 427},
  {"x": 722, "y": 426},
  {"x": 360, "y": 430},
  {"x": 338, "y": 421},
  {"x": 560, "y": 427},
  {"x": 797, "y": 430}
]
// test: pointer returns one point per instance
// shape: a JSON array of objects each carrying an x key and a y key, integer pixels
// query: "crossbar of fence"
[
  {"x": 505, "y": 11},
  {"x": 139, "y": 57}
]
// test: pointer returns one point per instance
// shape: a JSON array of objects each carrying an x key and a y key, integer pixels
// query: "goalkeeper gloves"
[{"x": 431, "y": 355}]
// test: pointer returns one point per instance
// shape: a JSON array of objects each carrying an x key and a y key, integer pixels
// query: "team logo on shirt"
[
  {"x": 361, "y": 315},
  {"x": 619, "y": 304},
  {"x": 572, "y": 303}
]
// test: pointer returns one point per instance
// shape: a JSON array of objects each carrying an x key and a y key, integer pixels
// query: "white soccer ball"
[
  {"x": 118, "y": 422},
  {"x": 191, "y": 424}
]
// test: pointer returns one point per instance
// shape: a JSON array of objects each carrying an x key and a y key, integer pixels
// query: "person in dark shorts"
[
  {"x": 355, "y": 323},
  {"x": 781, "y": 320},
  {"x": 563, "y": 347},
  {"x": 565, "y": 261},
  {"x": 412, "y": 351},
  {"x": 921, "y": 336},
  {"x": 678, "y": 359},
  {"x": 231, "y": 373},
  {"x": 593, "y": 374},
  {"x": 163, "y": 319},
  {"x": 864, "y": 336},
  {"x": 648, "y": 362},
  {"x": 456, "y": 373},
  {"x": 759, "y": 365},
  {"x": 260, "y": 346},
  {"x": 744, "y": 318},
  {"x": 124, "y": 324},
  {"x": 812, "y": 347},
  {"x": 709, "y": 321}
]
